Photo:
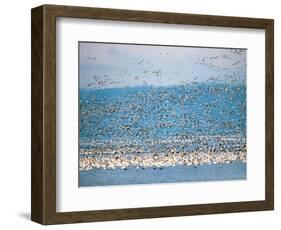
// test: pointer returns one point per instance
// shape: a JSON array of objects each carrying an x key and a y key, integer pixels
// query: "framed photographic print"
[{"x": 139, "y": 114}]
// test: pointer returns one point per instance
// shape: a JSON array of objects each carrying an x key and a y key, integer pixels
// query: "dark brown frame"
[{"x": 43, "y": 159}]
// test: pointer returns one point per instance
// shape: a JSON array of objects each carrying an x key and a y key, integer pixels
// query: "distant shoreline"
[{"x": 186, "y": 84}]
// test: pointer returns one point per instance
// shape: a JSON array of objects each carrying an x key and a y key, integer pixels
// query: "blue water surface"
[
  {"x": 211, "y": 116},
  {"x": 150, "y": 113},
  {"x": 101, "y": 177}
]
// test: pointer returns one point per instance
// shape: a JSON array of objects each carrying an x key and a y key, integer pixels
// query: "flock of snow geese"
[
  {"x": 190, "y": 124},
  {"x": 146, "y": 69}
]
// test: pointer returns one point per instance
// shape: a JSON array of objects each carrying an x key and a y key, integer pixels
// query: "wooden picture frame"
[{"x": 43, "y": 188}]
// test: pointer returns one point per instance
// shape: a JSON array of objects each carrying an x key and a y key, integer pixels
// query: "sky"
[{"x": 110, "y": 65}]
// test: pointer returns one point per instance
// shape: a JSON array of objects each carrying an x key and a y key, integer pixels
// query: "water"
[
  {"x": 141, "y": 114},
  {"x": 234, "y": 171},
  {"x": 148, "y": 120}
]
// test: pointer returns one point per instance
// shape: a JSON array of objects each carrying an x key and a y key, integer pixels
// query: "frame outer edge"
[
  {"x": 43, "y": 96},
  {"x": 43, "y": 159},
  {"x": 37, "y": 202}
]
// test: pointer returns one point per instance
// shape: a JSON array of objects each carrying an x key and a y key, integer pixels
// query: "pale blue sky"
[{"x": 107, "y": 65}]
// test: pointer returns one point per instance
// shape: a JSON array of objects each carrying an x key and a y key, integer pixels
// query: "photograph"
[{"x": 152, "y": 114}]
